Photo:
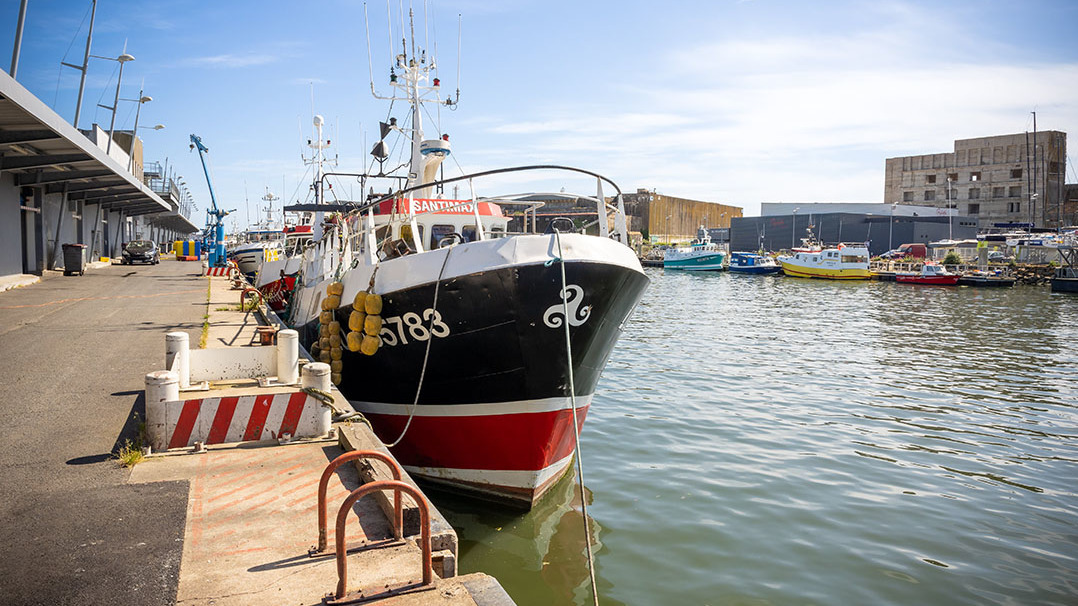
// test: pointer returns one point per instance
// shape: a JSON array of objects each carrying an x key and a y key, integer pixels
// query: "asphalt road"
[{"x": 74, "y": 351}]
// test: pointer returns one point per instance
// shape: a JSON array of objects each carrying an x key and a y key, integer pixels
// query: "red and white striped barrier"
[
  {"x": 218, "y": 271},
  {"x": 230, "y": 419}
]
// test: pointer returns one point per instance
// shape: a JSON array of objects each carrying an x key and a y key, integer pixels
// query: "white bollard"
[
  {"x": 178, "y": 357},
  {"x": 316, "y": 375},
  {"x": 162, "y": 386},
  {"x": 287, "y": 357}
]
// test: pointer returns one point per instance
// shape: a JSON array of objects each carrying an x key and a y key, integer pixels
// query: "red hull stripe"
[
  {"x": 188, "y": 417},
  {"x": 221, "y": 420},
  {"x": 513, "y": 442},
  {"x": 257, "y": 422}
]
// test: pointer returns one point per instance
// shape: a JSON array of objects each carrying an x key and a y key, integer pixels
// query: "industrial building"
[
  {"x": 1015, "y": 178},
  {"x": 883, "y": 227},
  {"x": 662, "y": 218},
  {"x": 60, "y": 185}
]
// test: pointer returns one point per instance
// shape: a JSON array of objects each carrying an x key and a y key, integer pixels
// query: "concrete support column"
[
  {"x": 178, "y": 357},
  {"x": 287, "y": 356}
]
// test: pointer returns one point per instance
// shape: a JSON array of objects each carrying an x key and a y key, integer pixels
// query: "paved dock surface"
[
  {"x": 73, "y": 354},
  {"x": 227, "y": 527}
]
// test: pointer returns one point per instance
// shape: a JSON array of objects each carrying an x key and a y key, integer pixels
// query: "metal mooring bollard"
[
  {"x": 178, "y": 356},
  {"x": 287, "y": 357},
  {"x": 316, "y": 375},
  {"x": 162, "y": 386}
]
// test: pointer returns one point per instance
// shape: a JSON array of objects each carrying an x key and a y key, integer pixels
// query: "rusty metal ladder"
[{"x": 397, "y": 486}]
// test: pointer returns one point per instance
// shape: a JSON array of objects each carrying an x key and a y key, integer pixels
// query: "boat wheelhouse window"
[
  {"x": 381, "y": 235},
  {"x": 406, "y": 235},
  {"x": 469, "y": 233},
  {"x": 497, "y": 231},
  {"x": 437, "y": 232},
  {"x": 854, "y": 259}
]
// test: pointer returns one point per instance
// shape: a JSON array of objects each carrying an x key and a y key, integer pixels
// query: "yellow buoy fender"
[
  {"x": 336, "y": 366},
  {"x": 335, "y": 340},
  {"x": 370, "y": 344},
  {"x": 336, "y": 353},
  {"x": 373, "y": 304},
  {"x": 335, "y": 288},
  {"x": 335, "y": 377},
  {"x": 323, "y": 356},
  {"x": 356, "y": 321},
  {"x": 373, "y": 325},
  {"x": 359, "y": 301},
  {"x": 331, "y": 302},
  {"x": 353, "y": 340},
  {"x": 334, "y": 328},
  {"x": 323, "y": 343},
  {"x": 323, "y": 331},
  {"x": 325, "y": 317}
]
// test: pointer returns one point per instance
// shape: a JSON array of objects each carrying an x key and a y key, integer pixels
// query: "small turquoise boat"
[
  {"x": 753, "y": 263},
  {"x": 701, "y": 255}
]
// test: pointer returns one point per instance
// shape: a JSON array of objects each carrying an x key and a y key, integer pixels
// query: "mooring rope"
[
  {"x": 576, "y": 425},
  {"x": 426, "y": 353}
]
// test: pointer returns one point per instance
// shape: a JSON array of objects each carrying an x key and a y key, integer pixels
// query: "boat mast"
[{"x": 318, "y": 145}]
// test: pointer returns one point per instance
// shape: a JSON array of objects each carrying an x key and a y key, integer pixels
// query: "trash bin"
[{"x": 74, "y": 259}]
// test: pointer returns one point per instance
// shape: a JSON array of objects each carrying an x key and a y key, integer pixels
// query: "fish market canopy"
[{"x": 41, "y": 149}]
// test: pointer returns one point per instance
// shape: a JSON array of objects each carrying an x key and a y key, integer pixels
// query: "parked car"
[
  {"x": 140, "y": 251},
  {"x": 916, "y": 251},
  {"x": 998, "y": 256}
]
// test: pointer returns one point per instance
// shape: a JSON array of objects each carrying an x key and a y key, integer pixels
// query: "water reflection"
[
  {"x": 762, "y": 440},
  {"x": 538, "y": 556}
]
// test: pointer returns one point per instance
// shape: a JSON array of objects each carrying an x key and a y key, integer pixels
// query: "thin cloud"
[{"x": 233, "y": 60}]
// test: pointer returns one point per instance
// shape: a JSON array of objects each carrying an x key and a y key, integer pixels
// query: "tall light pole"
[
  {"x": 134, "y": 131},
  {"x": 793, "y": 230},
  {"x": 85, "y": 64},
  {"x": 123, "y": 58},
  {"x": 950, "y": 215}
]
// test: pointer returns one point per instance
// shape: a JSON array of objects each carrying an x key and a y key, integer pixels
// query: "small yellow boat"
[{"x": 843, "y": 262}]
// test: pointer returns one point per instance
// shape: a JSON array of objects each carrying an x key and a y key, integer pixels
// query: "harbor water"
[{"x": 768, "y": 440}]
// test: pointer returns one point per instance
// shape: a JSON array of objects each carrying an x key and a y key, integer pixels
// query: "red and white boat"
[
  {"x": 931, "y": 273},
  {"x": 471, "y": 386}
]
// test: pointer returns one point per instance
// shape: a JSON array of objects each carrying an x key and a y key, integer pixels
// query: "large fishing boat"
[
  {"x": 842, "y": 262},
  {"x": 487, "y": 342}
]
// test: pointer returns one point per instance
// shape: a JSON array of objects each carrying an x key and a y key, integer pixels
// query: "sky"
[{"x": 737, "y": 102}]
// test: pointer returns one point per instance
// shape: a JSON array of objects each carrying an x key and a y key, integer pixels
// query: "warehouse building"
[{"x": 1015, "y": 178}]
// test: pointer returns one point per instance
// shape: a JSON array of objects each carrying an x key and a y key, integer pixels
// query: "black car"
[{"x": 140, "y": 251}]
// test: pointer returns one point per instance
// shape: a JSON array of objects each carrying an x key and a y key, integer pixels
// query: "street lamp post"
[
  {"x": 134, "y": 131},
  {"x": 123, "y": 58}
]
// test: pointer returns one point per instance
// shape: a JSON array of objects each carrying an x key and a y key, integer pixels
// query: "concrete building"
[
  {"x": 663, "y": 218},
  {"x": 59, "y": 185},
  {"x": 883, "y": 226},
  {"x": 1002, "y": 179}
]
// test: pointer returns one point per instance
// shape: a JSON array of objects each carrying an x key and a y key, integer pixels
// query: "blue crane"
[{"x": 215, "y": 227}]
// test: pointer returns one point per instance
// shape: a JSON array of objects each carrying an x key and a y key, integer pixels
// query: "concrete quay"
[{"x": 229, "y": 526}]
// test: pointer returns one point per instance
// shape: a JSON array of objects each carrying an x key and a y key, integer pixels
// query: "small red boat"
[{"x": 930, "y": 273}]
